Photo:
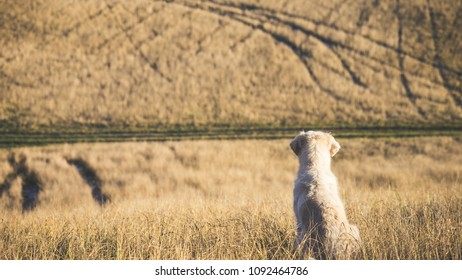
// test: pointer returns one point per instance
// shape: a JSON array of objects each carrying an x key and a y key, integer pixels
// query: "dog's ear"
[
  {"x": 334, "y": 146},
  {"x": 297, "y": 143}
]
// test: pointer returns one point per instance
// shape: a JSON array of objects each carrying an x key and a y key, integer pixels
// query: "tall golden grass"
[{"x": 230, "y": 200}]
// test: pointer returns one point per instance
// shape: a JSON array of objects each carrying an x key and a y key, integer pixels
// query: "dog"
[{"x": 322, "y": 224}]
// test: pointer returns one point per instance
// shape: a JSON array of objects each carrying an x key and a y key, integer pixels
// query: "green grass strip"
[{"x": 10, "y": 138}]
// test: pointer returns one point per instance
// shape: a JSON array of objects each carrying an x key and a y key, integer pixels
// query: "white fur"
[{"x": 322, "y": 225}]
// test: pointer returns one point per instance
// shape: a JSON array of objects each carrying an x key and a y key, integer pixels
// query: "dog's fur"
[{"x": 322, "y": 225}]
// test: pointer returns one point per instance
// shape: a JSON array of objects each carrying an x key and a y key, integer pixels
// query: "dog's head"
[{"x": 311, "y": 138}]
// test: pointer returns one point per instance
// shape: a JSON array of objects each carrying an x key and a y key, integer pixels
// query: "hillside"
[{"x": 249, "y": 62}]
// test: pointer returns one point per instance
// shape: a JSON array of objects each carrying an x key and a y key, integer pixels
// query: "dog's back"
[{"x": 322, "y": 225}]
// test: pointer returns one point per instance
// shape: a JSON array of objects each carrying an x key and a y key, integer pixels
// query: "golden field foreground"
[{"x": 225, "y": 199}]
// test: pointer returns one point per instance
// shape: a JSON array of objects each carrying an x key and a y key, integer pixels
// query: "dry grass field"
[
  {"x": 163, "y": 63},
  {"x": 76, "y": 71},
  {"x": 224, "y": 199}
]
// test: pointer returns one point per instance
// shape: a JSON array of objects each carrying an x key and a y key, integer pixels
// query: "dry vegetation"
[
  {"x": 224, "y": 67},
  {"x": 235, "y": 62},
  {"x": 227, "y": 200}
]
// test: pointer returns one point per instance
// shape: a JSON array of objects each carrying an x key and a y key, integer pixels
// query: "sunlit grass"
[{"x": 231, "y": 200}]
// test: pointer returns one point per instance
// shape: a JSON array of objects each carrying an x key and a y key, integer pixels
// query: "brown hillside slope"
[{"x": 235, "y": 62}]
